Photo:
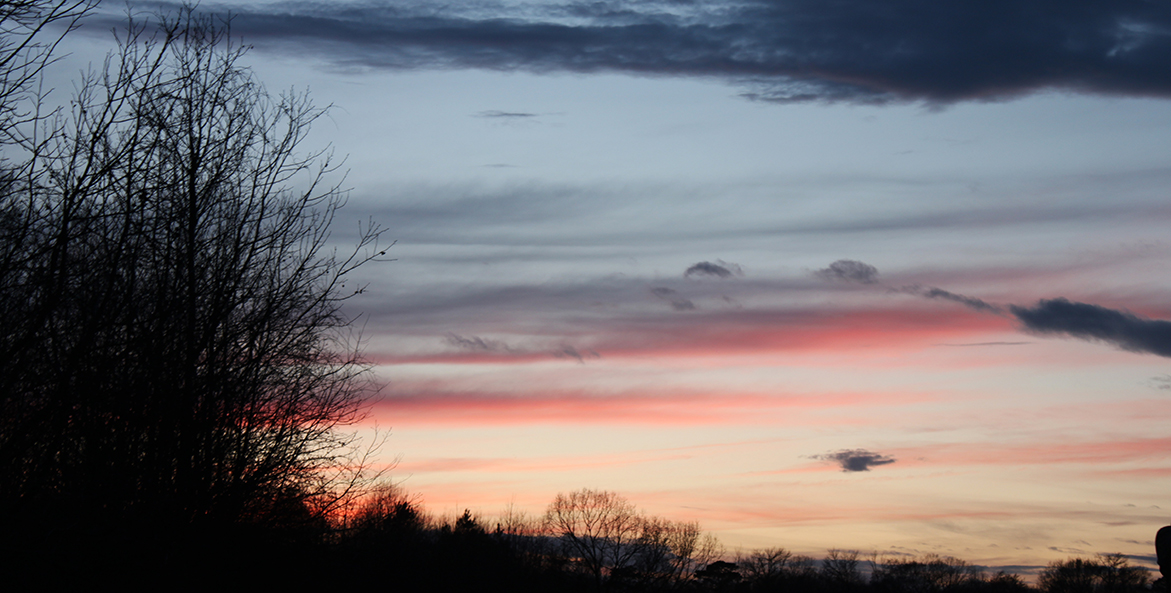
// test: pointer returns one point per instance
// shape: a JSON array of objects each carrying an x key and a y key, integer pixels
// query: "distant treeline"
[
  {"x": 592, "y": 540},
  {"x": 586, "y": 540}
]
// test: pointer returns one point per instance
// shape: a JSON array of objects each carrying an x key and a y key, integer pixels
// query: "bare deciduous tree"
[
  {"x": 841, "y": 568},
  {"x": 765, "y": 566},
  {"x": 597, "y": 527},
  {"x": 667, "y": 549},
  {"x": 1105, "y": 573},
  {"x": 928, "y": 573},
  {"x": 173, "y": 349},
  {"x": 29, "y": 32}
]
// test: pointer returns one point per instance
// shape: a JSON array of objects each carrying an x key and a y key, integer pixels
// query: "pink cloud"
[
  {"x": 720, "y": 333},
  {"x": 1088, "y": 452},
  {"x": 424, "y": 404},
  {"x": 538, "y": 464},
  {"x": 1141, "y": 472}
]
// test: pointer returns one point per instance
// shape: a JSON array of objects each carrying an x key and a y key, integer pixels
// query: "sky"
[{"x": 880, "y": 275}]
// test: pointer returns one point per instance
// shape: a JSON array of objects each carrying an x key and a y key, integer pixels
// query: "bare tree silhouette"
[
  {"x": 29, "y": 32},
  {"x": 667, "y": 550},
  {"x": 597, "y": 527},
  {"x": 1106, "y": 573},
  {"x": 173, "y": 349}
]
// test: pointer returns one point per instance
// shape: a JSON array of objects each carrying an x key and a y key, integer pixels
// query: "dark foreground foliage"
[
  {"x": 387, "y": 541},
  {"x": 390, "y": 544}
]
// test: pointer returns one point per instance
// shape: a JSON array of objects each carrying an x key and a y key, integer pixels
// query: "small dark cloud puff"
[
  {"x": 856, "y": 460},
  {"x": 850, "y": 270},
  {"x": 721, "y": 269},
  {"x": 677, "y": 302},
  {"x": 1096, "y": 323}
]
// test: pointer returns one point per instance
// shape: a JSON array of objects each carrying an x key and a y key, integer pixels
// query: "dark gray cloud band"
[
  {"x": 1096, "y": 323},
  {"x": 861, "y": 51}
]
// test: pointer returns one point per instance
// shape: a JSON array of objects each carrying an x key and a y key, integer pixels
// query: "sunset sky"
[{"x": 887, "y": 275}]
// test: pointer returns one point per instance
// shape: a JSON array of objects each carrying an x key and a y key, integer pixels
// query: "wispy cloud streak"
[
  {"x": 672, "y": 296},
  {"x": 702, "y": 333},
  {"x": 477, "y": 344},
  {"x": 494, "y": 114},
  {"x": 1109, "y": 453},
  {"x": 974, "y": 303}
]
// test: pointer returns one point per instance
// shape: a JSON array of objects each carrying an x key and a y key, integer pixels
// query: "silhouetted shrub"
[
  {"x": 1110, "y": 573},
  {"x": 840, "y": 569},
  {"x": 929, "y": 574}
]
